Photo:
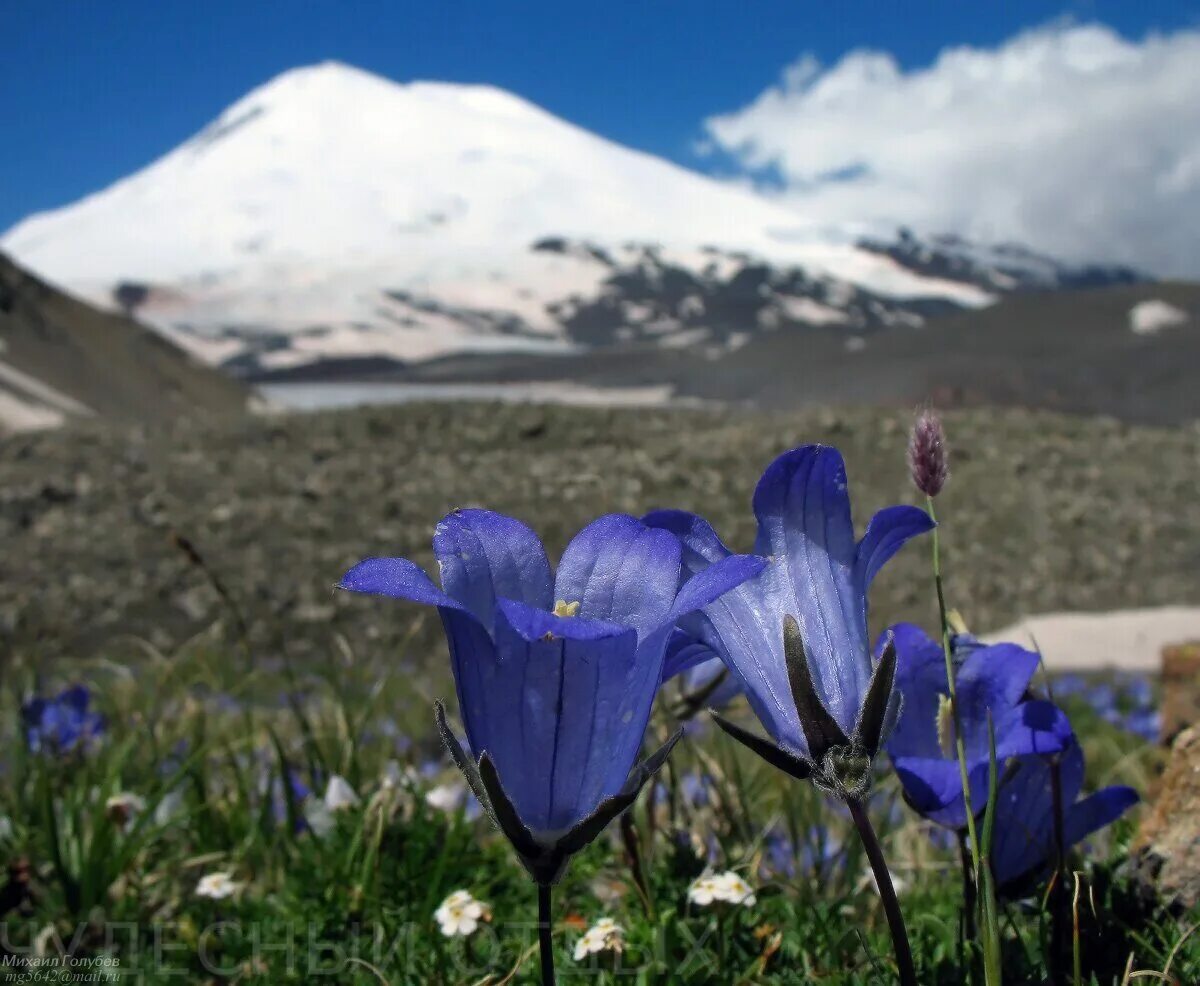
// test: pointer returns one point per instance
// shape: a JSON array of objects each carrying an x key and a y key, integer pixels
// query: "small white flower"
[
  {"x": 603, "y": 936},
  {"x": 217, "y": 886},
  {"x": 446, "y": 797},
  {"x": 704, "y": 891},
  {"x": 460, "y": 914},
  {"x": 727, "y": 887},
  {"x": 736, "y": 890},
  {"x": 339, "y": 795},
  {"x": 318, "y": 816},
  {"x": 6, "y": 828}
]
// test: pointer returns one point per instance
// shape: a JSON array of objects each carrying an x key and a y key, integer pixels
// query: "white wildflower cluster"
[
  {"x": 217, "y": 886},
  {"x": 603, "y": 936},
  {"x": 727, "y": 888},
  {"x": 460, "y": 914}
]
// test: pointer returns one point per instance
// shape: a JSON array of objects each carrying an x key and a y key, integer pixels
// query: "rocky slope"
[
  {"x": 60, "y": 358},
  {"x": 1129, "y": 351}
]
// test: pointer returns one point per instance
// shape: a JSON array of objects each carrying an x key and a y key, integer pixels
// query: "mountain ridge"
[{"x": 61, "y": 359}]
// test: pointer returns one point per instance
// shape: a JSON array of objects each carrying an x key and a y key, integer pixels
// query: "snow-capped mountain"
[{"x": 333, "y": 214}]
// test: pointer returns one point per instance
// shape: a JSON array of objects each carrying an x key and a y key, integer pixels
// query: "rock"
[
  {"x": 1180, "y": 689},
  {"x": 1166, "y": 852}
]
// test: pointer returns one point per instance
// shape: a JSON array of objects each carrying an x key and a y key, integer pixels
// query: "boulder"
[
  {"x": 1180, "y": 689},
  {"x": 1166, "y": 852}
]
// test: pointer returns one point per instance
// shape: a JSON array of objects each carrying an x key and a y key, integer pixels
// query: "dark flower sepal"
[
  {"x": 838, "y": 764},
  {"x": 544, "y": 861}
]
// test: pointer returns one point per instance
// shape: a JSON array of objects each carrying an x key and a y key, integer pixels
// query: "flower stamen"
[{"x": 945, "y": 725}]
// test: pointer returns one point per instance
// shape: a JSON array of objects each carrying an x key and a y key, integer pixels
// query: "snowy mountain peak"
[
  {"x": 331, "y": 211},
  {"x": 332, "y": 91}
]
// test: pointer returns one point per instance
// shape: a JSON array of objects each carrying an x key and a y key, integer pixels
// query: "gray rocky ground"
[{"x": 1042, "y": 513}]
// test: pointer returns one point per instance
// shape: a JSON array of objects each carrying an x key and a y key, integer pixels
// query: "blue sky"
[{"x": 104, "y": 87}]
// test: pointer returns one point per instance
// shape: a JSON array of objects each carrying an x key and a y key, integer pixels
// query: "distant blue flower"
[
  {"x": 556, "y": 675},
  {"x": 1103, "y": 698},
  {"x": 1138, "y": 690},
  {"x": 61, "y": 724},
  {"x": 299, "y": 791},
  {"x": 988, "y": 679},
  {"x": 1146, "y": 723},
  {"x": 817, "y": 855},
  {"x": 818, "y": 573},
  {"x": 695, "y": 788},
  {"x": 779, "y": 856},
  {"x": 822, "y": 850},
  {"x": 1024, "y": 844},
  {"x": 1069, "y": 684}
]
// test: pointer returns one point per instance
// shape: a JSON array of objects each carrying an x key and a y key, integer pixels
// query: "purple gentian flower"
[
  {"x": 1024, "y": 845},
  {"x": 63, "y": 723},
  {"x": 818, "y": 575},
  {"x": 989, "y": 679},
  {"x": 556, "y": 673}
]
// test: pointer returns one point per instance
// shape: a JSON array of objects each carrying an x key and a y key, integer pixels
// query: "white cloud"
[{"x": 1068, "y": 138}]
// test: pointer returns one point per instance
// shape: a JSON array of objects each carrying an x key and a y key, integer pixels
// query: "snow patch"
[{"x": 1151, "y": 317}]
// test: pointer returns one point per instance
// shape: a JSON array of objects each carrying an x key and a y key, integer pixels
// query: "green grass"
[{"x": 356, "y": 904}]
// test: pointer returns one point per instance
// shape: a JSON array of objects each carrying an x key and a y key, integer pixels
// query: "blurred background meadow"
[{"x": 281, "y": 286}]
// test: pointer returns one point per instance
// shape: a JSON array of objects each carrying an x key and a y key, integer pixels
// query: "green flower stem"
[
  {"x": 544, "y": 940},
  {"x": 959, "y": 747},
  {"x": 992, "y": 971},
  {"x": 967, "y": 929},
  {"x": 987, "y": 901},
  {"x": 887, "y": 892}
]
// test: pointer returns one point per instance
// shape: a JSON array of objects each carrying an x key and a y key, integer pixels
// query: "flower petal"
[
  {"x": 933, "y": 787},
  {"x": 804, "y": 522},
  {"x": 921, "y": 679},
  {"x": 483, "y": 555},
  {"x": 685, "y": 652},
  {"x": 933, "y": 784},
  {"x": 472, "y": 653},
  {"x": 701, "y": 545},
  {"x": 994, "y": 678},
  {"x": 398, "y": 578},
  {"x": 1098, "y": 810},
  {"x": 714, "y": 581},
  {"x": 1032, "y": 727},
  {"x": 621, "y": 571},
  {"x": 742, "y": 626},
  {"x": 1024, "y": 834},
  {"x": 889, "y": 530},
  {"x": 476, "y": 667},
  {"x": 1024, "y": 839},
  {"x": 563, "y": 708}
]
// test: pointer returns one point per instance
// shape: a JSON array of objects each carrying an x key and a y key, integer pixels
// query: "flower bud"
[{"x": 927, "y": 454}]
